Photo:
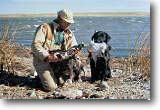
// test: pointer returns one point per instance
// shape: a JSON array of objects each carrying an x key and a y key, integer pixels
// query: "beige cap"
[{"x": 66, "y": 15}]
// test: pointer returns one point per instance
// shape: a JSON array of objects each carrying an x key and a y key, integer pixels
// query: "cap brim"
[{"x": 69, "y": 21}]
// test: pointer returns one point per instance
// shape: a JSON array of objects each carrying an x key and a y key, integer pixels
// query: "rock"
[
  {"x": 98, "y": 89},
  {"x": 32, "y": 93},
  {"x": 1, "y": 94},
  {"x": 113, "y": 97},
  {"x": 57, "y": 95},
  {"x": 116, "y": 73},
  {"x": 40, "y": 97},
  {"x": 125, "y": 97},
  {"x": 99, "y": 96},
  {"x": 72, "y": 94},
  {"x": 134, "y": 74},
  {"x": 50, "y": 97},
  {"x": 146, "y": 86},
  {"x": 134, "y": 78},
  {"x": 106, "y": 97},
  {"x": 114, "y": 70},
  {"x": 79, "y": 97},
  {"x": 127, "y": 79},
  {"x": 68, "y": 82},
  {"x": 86, "y": 94},
  {"x": 83, "y": 97}
]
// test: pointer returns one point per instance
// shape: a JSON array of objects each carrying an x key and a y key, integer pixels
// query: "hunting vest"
[{"x": 50, "y": 29}]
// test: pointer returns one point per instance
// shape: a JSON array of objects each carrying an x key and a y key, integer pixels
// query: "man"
[{"x": 52, "y": 36}]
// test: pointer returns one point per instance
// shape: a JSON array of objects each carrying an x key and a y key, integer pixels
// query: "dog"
[
  {"x": 69, "y": 68},
  {"x": 99, "y": 56}
]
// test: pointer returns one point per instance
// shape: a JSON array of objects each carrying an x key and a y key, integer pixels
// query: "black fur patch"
[{"x": 100, "y": 37}]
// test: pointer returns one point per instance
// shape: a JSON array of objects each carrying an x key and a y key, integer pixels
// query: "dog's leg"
[
  {"x": 76, "y": 71},
  {"x": 71, "y": 76},
  {"x": 82, "y": 70},
  {"x": 93, "y": 70},
  {"x": 101, "y": 68},
  {"x": 108, "y": 70},
  {"x": 77, "y": 75}
]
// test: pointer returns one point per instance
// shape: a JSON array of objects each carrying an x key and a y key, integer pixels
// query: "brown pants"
[{"x": 46, "y": 74}]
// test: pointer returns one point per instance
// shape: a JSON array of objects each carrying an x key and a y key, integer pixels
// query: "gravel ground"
[{"x": 120, "y": 86}]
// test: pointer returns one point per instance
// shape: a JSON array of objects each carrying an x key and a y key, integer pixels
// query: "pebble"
[
  {"x": 68, "y": 82},
  {"x": 116, "y": 73},
  {"x": 40, "y": 97},
  {"x": 86, "y": 94},
  {"x": 32, "y": 93},
  {"x": 146, "y": 86},
  {"x": 106, "y": 97},
  {"x": 57, "y": 95},
  {"x": 50, "y": 97},
  {"x": 99, "y": 96},
  {"x": 69, "y": 94},
  {"x": 1, "y": 94},
  {"x": 113, "y": 97}
]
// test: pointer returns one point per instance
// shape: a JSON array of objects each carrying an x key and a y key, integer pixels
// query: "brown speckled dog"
[{"x": 69, "y": 68}]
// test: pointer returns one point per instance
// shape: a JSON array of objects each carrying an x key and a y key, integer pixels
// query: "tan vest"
[{"x": 50, "y": 32}]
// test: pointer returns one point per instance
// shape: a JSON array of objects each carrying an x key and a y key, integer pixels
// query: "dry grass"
[
  {"x": 7, "y": 48},
  {"x": 138, "y": 61},
  {"x": 142, "y": 55}
]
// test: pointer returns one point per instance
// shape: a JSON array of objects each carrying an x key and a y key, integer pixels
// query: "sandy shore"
[{"x": 78, "y": 14}]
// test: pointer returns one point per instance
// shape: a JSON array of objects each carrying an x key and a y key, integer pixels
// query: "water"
[{"x": 121, "y": 30}]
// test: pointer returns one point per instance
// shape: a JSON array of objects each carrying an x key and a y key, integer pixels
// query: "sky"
[{"x": 52, "y": 6}]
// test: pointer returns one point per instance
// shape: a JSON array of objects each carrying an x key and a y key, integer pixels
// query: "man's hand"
[
  {"x": 76, "y": 51},
  {"x": 52, "y": 58}
]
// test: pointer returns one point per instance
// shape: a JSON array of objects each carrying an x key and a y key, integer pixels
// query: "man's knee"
[{"x": 48, "y": 80}]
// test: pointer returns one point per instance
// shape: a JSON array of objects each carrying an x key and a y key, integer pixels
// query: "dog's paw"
[
  {"x": 69, "y": 81},
  {"x": 79, "y": 80},
  {"x": 104, "y": 85}
]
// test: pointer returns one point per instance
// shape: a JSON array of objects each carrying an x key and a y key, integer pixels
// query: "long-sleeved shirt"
[{"x": 44, "y": 37}]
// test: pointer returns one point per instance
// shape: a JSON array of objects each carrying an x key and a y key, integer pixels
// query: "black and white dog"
[{"x": 99, "y": 56}]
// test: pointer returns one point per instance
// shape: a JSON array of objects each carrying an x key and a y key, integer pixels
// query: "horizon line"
[{"x": 134, "y": 13}]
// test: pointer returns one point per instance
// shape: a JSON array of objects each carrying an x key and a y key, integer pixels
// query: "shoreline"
[{"x": 95, "y": 14}]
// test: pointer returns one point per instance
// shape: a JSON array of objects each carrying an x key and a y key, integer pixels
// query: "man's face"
[{"x": 63, "y": 24}]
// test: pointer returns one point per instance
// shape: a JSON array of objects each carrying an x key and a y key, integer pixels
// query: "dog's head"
[
  {"x": 100, "y": 37},
  {"x": 99, "y": 46}
]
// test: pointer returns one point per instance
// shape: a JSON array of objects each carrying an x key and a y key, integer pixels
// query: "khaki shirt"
[{"x": 41, "y": 44}]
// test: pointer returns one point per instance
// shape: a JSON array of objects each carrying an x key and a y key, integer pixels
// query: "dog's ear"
[
  {"x": 94, "y": 35},
  {"x": 108, "y": 37},
  {"x": 92, "y": 38}
]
